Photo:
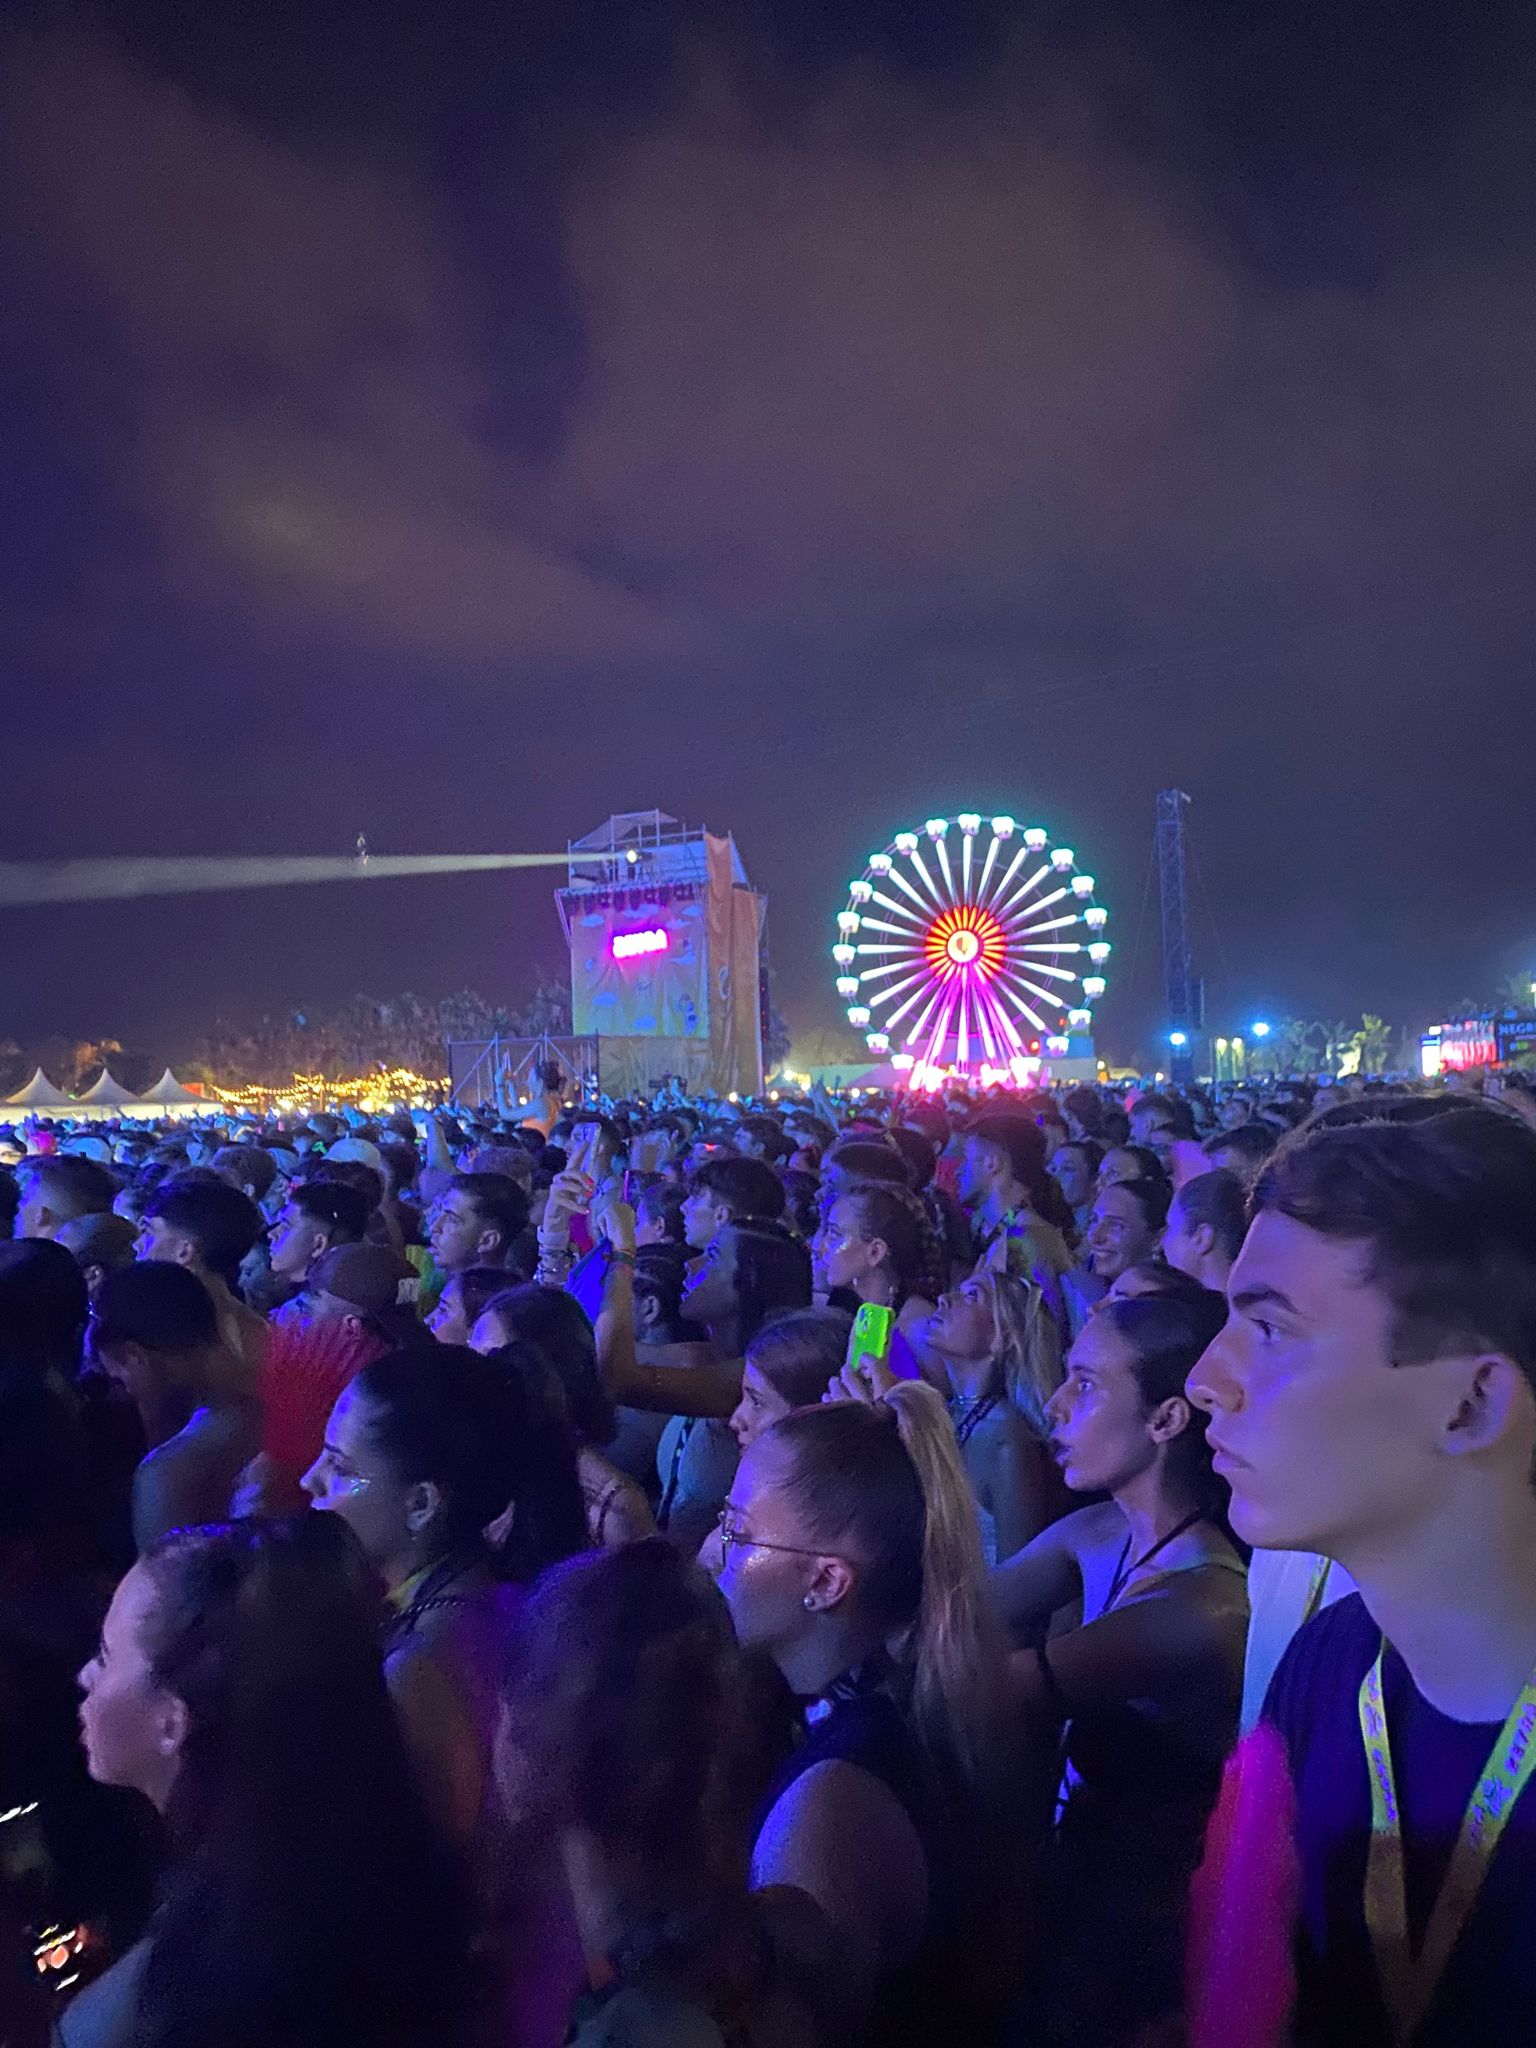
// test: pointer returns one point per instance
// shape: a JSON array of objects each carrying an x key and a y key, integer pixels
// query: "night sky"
[{"x": 454, "y": 424}]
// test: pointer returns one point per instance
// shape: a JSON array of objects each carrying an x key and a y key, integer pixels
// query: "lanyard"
[
  {"x": 1125, "y": 1571},
  {"x": 1407, "y": 1980},
  {"x": 970, "y": 1420},
  {"x": 1317, "y": 1585}
]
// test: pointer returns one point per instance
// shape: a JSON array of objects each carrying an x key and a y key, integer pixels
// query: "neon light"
[
  {"x": 965, "y": 937},
  {"x": 634, "y": 945},
  {"x": 945, "y": 959}
]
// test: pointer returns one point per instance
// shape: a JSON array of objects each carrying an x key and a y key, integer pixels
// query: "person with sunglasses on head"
[{"x": 997, "y": 1352}]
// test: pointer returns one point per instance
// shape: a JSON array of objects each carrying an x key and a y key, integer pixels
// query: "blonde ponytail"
[{"x": 954, "y": 1647}]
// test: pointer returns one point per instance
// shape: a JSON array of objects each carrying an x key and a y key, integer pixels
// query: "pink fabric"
[{"x": 1240, "y": 1977}]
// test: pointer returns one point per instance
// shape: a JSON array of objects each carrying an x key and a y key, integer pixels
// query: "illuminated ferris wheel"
[{"x": 972, "y": 949}]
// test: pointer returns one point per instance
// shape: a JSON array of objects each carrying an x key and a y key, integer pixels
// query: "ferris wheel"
[{"x": 971, "y": 949}]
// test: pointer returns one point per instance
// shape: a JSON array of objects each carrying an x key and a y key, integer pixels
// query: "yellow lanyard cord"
[
  {"x": 1317, "y": 1585},
  {"x": 1408, "y": 1981}
]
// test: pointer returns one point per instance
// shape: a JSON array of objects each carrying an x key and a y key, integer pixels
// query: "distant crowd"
[{"x": 1034, "y": 1569}]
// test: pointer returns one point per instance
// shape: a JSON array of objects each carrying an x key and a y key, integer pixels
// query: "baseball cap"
[
  {"x": 87, "y": 1146},
  {"x": 359, "y": 1149},
  {"x": 365, "y": 1276}
]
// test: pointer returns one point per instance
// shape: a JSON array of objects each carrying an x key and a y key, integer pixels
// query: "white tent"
[
  {"x": 169, "y": 1098},
  {"x": 108, "y": 1091},
  {"x": 39, "y": 1093},
  {"x": 169, "y": 1090}
]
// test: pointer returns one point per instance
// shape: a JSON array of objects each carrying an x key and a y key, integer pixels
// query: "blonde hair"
[
  {"x": 1029, "y": 1350},
  {"x": 956, "y": 1645},
  {"x": 885, "y": 1483}
]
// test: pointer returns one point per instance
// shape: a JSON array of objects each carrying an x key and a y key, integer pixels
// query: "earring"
[{"x": 808, "y": 1601}]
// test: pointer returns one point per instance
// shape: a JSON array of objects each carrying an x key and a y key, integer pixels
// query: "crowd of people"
[{"x": 1045, "y": 1569}]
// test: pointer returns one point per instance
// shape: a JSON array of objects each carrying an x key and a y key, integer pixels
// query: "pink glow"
[{"x": 633, "y": 945}]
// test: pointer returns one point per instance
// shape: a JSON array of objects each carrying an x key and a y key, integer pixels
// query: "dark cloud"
[{"x": 811, "y": 445}]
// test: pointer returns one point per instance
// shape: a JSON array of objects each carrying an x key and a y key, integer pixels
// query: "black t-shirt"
[{"x": 1487, "y": 1995}]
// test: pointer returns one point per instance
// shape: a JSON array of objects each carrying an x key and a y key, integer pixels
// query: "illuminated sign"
[{"x": 635, "y": 945}]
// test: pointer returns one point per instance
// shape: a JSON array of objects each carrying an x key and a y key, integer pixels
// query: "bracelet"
[{"x": 620, "y": 1258}]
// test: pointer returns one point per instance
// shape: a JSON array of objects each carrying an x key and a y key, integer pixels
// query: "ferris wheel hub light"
[{"x": 963, "y": 947}]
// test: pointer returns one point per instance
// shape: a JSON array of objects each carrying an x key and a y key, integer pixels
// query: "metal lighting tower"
[{"x": 1180, "y": 989}]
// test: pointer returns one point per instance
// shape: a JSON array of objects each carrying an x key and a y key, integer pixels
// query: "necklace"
[
  {"x": 1126, "y": 1571},
  {"x": 967, "y": 1412}
]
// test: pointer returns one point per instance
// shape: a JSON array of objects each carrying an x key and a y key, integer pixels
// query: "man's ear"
[{"x": 1494, "y": 1402}]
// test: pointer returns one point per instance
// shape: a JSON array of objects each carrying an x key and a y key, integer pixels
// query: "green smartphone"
[{"x": 873, "y": 1329}]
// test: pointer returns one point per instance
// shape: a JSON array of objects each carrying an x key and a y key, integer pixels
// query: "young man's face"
[
  {"x": 459, "y": 1237},
  {"x": 703, "y": 1214},
  {"x": 1326, "y": 1444},
  {"x": 978, "y": 1173},
  {"x": 157, "y": 1240},
  {"x": 295, "y": 1239}
]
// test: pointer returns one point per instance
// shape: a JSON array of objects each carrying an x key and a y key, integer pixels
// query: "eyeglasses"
[{"x": 730, "y": 1535}]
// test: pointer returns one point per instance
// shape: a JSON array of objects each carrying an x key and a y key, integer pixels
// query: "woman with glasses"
[{"x": 849, "y": 1553}]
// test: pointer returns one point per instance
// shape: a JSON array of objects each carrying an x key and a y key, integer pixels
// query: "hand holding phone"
[{"x": 867, "y": 1374}]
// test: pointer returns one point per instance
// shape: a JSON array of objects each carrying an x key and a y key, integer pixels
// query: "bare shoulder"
[
  {"x": 1094, "y": 1531},
  {"x": 838, "y": 1810}
]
